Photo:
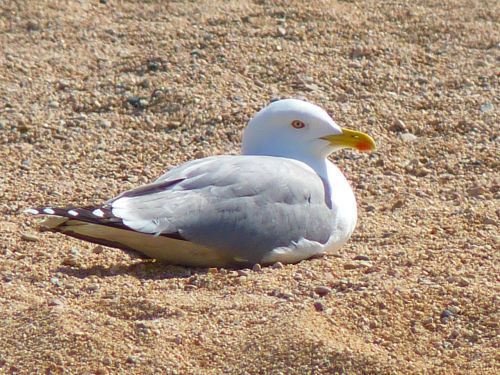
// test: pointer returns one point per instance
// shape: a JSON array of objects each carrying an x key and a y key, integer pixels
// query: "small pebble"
[
  {"x": 446, "y": 314},
  {"x": 370, "y": 208},
  {"x": 55, "y": 302},
  {"x": 489, "y": 221},
  {"x": 71, "y": 261},
  {"x": 362, "y": 257},
  {"x": 174, "y": 124},
  {"x": 132, "y": 359},
  {"x": 74, "y": 251},
  {"x": 257, "y": 267},
  {"x": 350, "y": 266},
  {"x": 486, "y": 107},
  {"x": 199, "y": 155},
  {"x": 277, "y": 266},
  {"x": 398, "y": 126},
  {"x": 408, "y": 137},
  {"x": 398, "y": 204},
  {"x": 26, "y": 164},
  {"x": 454, "y": 309},
  {"x": 145, "y": 83},
  {"x": 476, "y": 191},
  {"x": 197, "y": 53},
  {"x": 259, "y": 83},
  {"x": 137, "y": 102},
  {"x": 154, "y": 66},
  {"x": 422, "y": 172},
  {"x": 244, "y": 272},
  {"x": 359, "y": 52},
  {"x": 98, "y": 249},
  {"x": 141, "y": 325},
  {"x": 93, "y": 287},
  {"x": 32, "y": 26},
  {"x": 30, "y": 237},
  {"x": 103, "y": 123},
  {"x": 322, "y": 290},
  {"x": 318, "y": 306},
  {"x": 55, "y": 281},
  {"x": 106, "y": 361}
]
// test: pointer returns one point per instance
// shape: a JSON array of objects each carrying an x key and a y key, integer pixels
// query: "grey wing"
[{"x": 238, "y": 204}]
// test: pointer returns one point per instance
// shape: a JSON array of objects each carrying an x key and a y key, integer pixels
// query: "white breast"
[{"x": 344, "y": 204}]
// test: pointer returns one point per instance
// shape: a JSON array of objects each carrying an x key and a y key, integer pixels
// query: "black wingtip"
[{"x": 100, "y": 215}]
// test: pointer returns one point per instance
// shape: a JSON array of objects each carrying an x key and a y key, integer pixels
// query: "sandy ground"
[{"x": 97, "y": 98}]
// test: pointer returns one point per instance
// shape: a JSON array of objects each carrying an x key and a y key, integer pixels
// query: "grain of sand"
[{"x": 100, "y": 96}]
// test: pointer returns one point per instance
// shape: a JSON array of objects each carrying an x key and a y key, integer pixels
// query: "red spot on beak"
[{"x": 364, "y": 146}]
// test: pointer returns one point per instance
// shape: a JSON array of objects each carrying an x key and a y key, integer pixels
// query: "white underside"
[
  {"x": 303, "y": 249},
  {"x": 158, "y": 247},
  {"x": 178, "y": 251}
]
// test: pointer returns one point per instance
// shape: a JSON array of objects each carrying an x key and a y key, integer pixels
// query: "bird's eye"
[{"x": 297, "y": 124}]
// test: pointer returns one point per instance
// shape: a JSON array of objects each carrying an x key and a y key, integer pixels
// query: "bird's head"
[{"x": 301, "y": 130}]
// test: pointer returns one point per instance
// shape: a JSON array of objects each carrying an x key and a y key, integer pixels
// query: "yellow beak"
[{"x": 351, "y": 139}]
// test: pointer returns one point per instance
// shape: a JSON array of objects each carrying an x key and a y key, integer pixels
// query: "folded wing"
[
  {"x": 208, "y": 211},
  {"x": 242, "y": 205}
]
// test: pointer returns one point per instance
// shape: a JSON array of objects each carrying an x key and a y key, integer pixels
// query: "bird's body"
[{"x": 270, "y": 204}]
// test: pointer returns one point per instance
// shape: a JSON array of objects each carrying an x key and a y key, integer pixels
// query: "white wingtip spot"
[
  {"x": 98, "y": 212},
  {"x": 31, "y": 211},
  {"x": 73, "y": 213},
  {"x": 49, "y": 211}
]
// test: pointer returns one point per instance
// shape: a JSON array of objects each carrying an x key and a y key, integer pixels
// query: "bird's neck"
[
  {"x": 318, "y": 163},
  {"x": 328, "y": 172},
  {"x": 320, "y": 166}
]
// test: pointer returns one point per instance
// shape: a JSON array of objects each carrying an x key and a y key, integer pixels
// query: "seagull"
[{"x": 280, "y": 200}]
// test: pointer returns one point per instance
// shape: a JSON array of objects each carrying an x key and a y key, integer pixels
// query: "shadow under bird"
[{"x": 280, "y": 200}]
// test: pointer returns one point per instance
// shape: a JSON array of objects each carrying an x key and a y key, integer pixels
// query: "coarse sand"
[{"x": 100, "y": 96}]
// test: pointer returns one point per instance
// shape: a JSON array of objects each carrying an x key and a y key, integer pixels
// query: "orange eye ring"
[{"x": 297, "y": 124}]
